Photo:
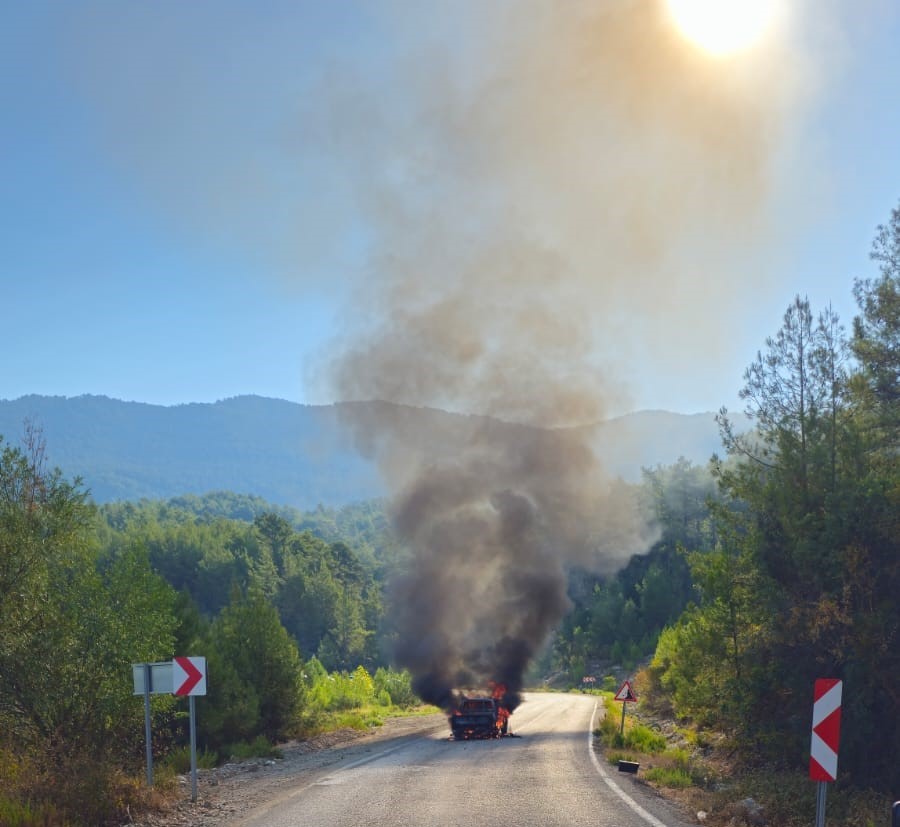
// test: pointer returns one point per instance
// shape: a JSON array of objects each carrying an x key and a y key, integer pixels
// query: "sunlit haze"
[{"x": 723, "y": 27}]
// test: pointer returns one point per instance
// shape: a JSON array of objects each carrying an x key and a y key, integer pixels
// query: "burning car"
[{"x": 481, "y": 716}]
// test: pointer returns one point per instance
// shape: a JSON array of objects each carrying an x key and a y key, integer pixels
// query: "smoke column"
[{"x": 563, "y": 187}]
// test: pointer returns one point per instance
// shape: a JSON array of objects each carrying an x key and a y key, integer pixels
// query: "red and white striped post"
[{"x": 826, "y": 734}]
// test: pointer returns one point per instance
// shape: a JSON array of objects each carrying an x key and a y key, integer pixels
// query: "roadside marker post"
[
  {"x": 151, "y": 679},
  {"x": 181, "y": 676},
  {"x": 826, "y": 735},
  {"x": 147, "y": 734},
  {"x": 189, "y": 678}
]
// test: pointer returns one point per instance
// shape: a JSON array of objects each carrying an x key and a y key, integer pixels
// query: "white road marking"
[{"x": 637, "y": 808}]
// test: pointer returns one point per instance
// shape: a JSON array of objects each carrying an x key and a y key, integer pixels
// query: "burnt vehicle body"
[{"x": 479, "y": 717}]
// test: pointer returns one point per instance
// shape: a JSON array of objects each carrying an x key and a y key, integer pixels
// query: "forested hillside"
[{"x": 285, "y": 453}]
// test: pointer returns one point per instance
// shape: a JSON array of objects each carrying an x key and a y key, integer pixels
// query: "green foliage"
[
  {"x": 802, "y": 581},
  {"x": 357, "y": 700},
  {"x": 644, "y": 739},
  {"x": 264, "y": 663},
  {"x": 25, "y": 814},
  {"x": 636, "y": 737},
  {"x": 680, "y": 758},
  {"x": 328, "y": 593},
  {"x": 396, "y": 685},
  {"x": 671, "y": 777},
  {"x": 353, "y": 720},
  {"x": 259, "y": 747},
  {"x": 179, "y": 760},
  {"x": 340, "y": 691},
  {"x": 81, "y": 600},
  {"x": 619, "y": 619},
  {"x": 876, "y": 337},
  {"x": 73, "y": 623},
  {"x": 609, "y": 683}
]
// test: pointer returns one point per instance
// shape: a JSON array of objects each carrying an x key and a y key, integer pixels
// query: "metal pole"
[
  {"x": 193, "y": 715},
  {"x": 622, "y": 728},
  {"x": 147, "y": 734},
  {"x": 821, "y": 790}
]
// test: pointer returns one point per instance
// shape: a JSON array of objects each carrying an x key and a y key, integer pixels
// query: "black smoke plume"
[{"x": 547, "y": 205}]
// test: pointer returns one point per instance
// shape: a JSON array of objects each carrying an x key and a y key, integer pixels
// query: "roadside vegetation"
[
  {"x": 703, "y": 771},
  {"x": 791, "y": 567},
  {"x": 287, "y": 621}
]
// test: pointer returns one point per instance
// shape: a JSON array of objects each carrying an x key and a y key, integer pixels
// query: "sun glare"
[{"x": 723, "y": 27}]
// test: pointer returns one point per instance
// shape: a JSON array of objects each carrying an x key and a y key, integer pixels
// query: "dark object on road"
[
  {"x": 628, "y": 766},
  {"x": 479, "y": 717}
]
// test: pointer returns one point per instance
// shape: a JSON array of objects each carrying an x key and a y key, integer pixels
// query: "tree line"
[
  {"x": 804, "y": 576},
  {"x": 780, "y": 563},
  {"x": 288, "y": 621}
]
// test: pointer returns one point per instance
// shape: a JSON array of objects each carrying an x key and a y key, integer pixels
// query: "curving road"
[{"x": 546, "y": 775}]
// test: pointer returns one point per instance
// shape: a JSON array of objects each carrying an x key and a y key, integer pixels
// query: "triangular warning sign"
[{"x": 625, "y": 693}]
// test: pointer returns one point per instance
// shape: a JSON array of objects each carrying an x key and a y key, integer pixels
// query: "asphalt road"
[{"x": 546, "y": 775}]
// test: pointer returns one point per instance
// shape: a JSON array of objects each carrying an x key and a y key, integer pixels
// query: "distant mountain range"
[{"x": 284, "y": 452}]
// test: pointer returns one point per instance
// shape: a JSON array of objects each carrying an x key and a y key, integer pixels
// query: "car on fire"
[{"x": 479, "y": 717}]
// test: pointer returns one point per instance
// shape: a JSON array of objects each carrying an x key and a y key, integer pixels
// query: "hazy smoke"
[
  {"x": 563, "y": 187},
  {"x": 495, "y": 515}
]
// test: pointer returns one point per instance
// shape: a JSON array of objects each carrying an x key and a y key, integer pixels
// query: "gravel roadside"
[{"x": 227, "y": 793}]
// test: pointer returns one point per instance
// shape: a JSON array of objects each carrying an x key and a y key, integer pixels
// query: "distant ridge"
[{"x": 284, "y": 452}]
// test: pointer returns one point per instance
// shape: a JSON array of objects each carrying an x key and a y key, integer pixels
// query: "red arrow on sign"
[
  {"x": 826, "y": 729},
  {"x": 192, "y": 676}
]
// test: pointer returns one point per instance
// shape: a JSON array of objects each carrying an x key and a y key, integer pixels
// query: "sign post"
[
  {"x": 151, "y": 679},
  {"x": 189, "y": 678},
  {"x": 627, "y": 696},
  {"x": 147, "y": 734},
  {"x": 182, "y": 676},
  {"x": 826, "y": 735}
]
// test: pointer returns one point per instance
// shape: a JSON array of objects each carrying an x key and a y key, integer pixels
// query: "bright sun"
[{"x": 722, "y": 27}]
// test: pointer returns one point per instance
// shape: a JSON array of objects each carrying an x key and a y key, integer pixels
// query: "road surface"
[{"x": 546, "y": 775}]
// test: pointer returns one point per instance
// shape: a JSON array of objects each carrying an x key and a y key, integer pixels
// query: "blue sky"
[{"x": 179, "y": 222}]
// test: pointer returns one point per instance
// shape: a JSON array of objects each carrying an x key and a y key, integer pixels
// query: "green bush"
[
  {"x": 672, "y": 777},
  {"x": 23, "y": 814},
  {"x": 644, "y": 739},
  {"x": 340, "y": 691},
  {"x": 680, "y": 758},
  {"x": 179, "y": 760},
  {"x": 636, "y": 737},
  {"x": 350, "y": 720},
  {"x": 259, "y": 747},
  {"x": 398, "y": 685}
]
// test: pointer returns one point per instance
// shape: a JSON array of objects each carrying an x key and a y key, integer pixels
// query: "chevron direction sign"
[
  {"x": 826, "y": 729},
  {"x": 189, "y": 676}
]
